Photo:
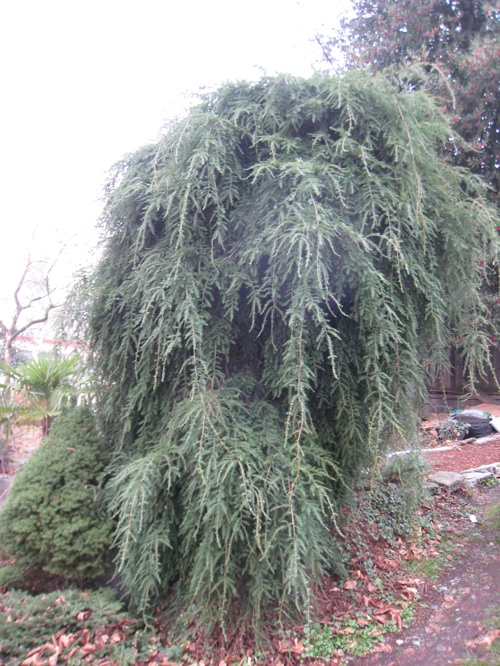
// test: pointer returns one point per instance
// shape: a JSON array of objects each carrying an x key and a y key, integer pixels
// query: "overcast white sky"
[{"x": 83, "y": 83}]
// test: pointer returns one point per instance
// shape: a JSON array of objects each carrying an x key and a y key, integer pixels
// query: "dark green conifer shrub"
[
  {"x": 50, "y": 519},
  {"x": 278, "y": 272},
  {"x": 28, "y": 622}
]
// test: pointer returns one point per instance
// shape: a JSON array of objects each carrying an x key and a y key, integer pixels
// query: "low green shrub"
[
  {"x": 391, "y": 502},
  {"x": 29, "y": 622},
  {"x": 391, "y": 508},
  {"x": 50, "y": 519}
]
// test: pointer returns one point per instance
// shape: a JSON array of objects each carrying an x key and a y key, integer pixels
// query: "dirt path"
[{"x": 454, "y": 624}]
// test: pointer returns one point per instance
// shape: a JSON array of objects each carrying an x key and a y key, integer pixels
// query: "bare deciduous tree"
[{"x": 30, "y": 308}]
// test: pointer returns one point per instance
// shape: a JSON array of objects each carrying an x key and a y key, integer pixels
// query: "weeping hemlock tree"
[{"x": 277, "y": 273}]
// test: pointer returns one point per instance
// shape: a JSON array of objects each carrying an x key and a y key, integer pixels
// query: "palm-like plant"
[{"x": 38, "y": 389}]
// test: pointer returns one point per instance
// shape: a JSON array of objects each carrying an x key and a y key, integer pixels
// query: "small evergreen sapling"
[{"x": 50, "y": 519}]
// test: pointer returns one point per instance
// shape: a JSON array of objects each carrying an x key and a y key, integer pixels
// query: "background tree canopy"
[
  {"x": 459, "y": 41},
  {"x": 277, "y": 273}
]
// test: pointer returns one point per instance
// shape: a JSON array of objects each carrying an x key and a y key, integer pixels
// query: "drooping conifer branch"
[{"x": 276, "y": 273}]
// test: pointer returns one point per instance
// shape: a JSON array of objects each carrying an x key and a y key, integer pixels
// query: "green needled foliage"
[
  {"x": 50, "y": 518},
  {"x": 277, "y": 273}
]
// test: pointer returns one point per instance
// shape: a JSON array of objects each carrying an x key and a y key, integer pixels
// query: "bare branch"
[
  {"x": 20, "y": 285},
  {"x": 33, "y": 322},
  {"x": 324, "y": 49},
  {"x": 38, "y": 298},
  {"x": 9, "y": 333}
]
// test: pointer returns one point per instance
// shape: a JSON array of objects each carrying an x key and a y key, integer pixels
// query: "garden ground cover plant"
[{"x": 403, "y": 610}]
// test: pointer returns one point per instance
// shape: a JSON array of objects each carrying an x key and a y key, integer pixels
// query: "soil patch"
[
  {"x": 453, "y": 625},
  {"x": 466, "y": 456},
  {"x": 22, "y": 442}
]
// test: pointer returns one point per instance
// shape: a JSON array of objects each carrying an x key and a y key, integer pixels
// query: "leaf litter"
[{"x": 374, "y": 603}]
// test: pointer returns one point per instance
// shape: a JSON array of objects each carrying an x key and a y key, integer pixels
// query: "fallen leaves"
[
  {"x": 389, "y": 613},
  {"x": 64, "y": 646},
  {"x": 410, "y": 587},
  {"x": 297, "y": 647},
  {"x": 392, "y": 564},
  {"x": 486, "y": 640},
  {"x": 383, "y": 647}
]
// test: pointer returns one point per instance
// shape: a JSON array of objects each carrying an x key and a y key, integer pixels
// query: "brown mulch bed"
[{"x": 465, "y": 457}]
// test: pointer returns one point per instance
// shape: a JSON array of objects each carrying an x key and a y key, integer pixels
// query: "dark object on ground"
[
  {"x": 475, "y": 425},
  {"x": 465, "y": 424},
  {"x": 479, "y": 429}
]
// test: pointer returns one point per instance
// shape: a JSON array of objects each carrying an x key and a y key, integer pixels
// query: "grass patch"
[
  {"x": 431, "y": 567},
  {"x": 493, "y": 617},
  {"x": 354, "y": 636},
  {"x": 325, "y": 641},
  {"x": 492, "y": 520}
]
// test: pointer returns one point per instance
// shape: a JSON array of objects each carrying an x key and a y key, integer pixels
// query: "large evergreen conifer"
[{"x": 278, "y": 272}]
